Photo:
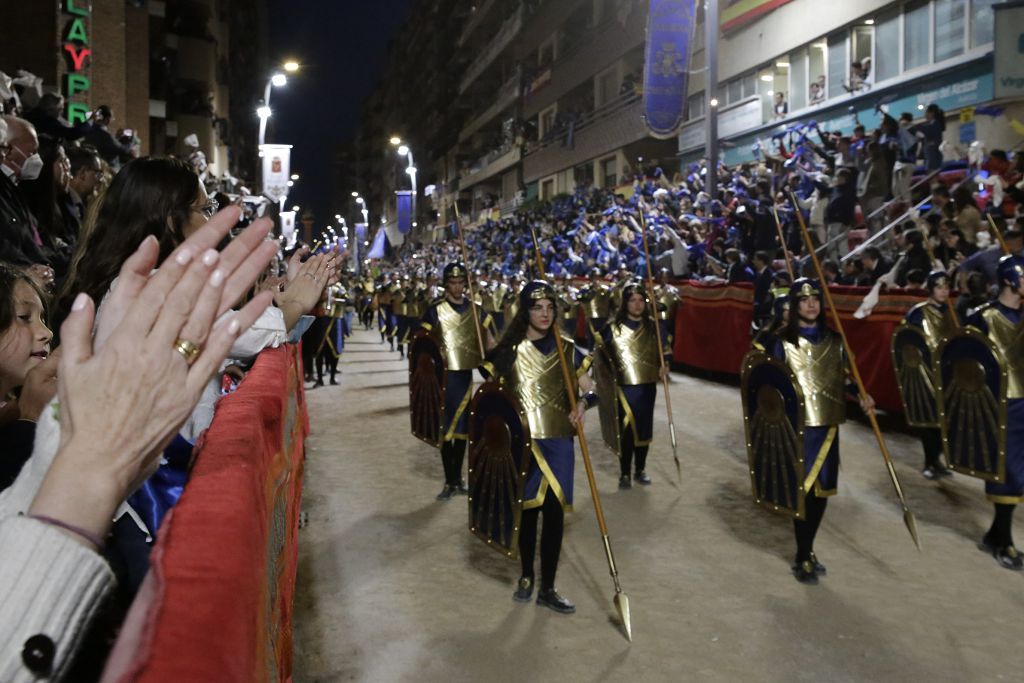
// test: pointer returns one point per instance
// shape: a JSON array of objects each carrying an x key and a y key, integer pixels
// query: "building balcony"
[
  {"x": 505, "y": 97},
  {"x": 491, "y": 164},
  {"x": 604, "y": 130},
  {"x": 508, "y": 31},
  {"x": 476, "y": 19},
  {"x": 600, "y": 50}
]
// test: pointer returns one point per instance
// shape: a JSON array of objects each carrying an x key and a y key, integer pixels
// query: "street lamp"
[
  {"x": 395, "y": 141},
  {"x": 295, "y": 176},
  {"x": 291, "y": 66},
  {"x": 404, "y": 151},
  {"x": 276, "y": 80}
]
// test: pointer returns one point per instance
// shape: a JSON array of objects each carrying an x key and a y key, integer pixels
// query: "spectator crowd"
[{"x": 129, "y": 296}]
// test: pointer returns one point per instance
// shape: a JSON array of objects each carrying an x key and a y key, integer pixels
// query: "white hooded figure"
[{"x": 196, "y": 157}]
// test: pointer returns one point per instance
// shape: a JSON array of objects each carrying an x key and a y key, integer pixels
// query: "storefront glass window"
[
  {"x": 887, "y": 47},
  {"x": 949, "y": 28},
  {"x": 982, "y": 26},
  {"x": 915, "y": 35}
]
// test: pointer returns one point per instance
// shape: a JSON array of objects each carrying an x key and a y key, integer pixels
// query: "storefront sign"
[
  {"x": 77, "y": 51},
  {"x": 1009, "y": 49}
]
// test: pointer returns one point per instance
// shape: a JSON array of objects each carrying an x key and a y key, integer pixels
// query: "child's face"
[{"x": 26, "y": 343}]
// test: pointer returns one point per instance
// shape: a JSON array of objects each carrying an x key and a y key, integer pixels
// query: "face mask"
[{"x": 32, "y": 167}]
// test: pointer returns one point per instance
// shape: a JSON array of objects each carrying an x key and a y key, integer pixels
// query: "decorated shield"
[
  {"x": 499, "y": 460},
  {"x": 608, "y": 407},
  {"x": 972, "y": 385},
  {"x": 773, "y": 418},
  {"x": 912, "y": 360},
  {"x": 428, "y": 369}
]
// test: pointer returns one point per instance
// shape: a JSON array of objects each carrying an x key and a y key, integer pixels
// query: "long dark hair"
[
  {"x": 41, "y": 194},
  {"x": 150, "y": 196},
  {"x": 791, "y": 332},
  {"x": 622, "y": 314},
  {"x": 503, "y": 355}
]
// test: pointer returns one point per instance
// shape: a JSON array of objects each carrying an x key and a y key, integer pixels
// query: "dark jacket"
[{"x": 18, "y": 233}]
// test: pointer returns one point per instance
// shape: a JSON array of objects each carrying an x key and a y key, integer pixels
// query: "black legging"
[
  {"x": 452, "y": 454},
  {"x": 806, "y": 529},
  {"x": 1000, "y": 534},
  {"x": 629, "y": 451},
  {"x": 550, "y": 539},
  {"x": 931, "y": 439}
]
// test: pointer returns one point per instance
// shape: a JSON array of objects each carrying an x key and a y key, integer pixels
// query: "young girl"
[
  {"x": 526, "y": 360},
  {"x": 24, "y": 344},
  {"x": 633, "y": 344}
]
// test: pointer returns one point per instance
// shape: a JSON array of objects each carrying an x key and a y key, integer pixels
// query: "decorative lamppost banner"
[
  {"x": 403, "y": 200},
  {"x": 670, "y": 25},
  {"x": 277, "y": 161}
]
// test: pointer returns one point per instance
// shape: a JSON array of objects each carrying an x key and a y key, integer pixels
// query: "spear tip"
[
  {"x": 622, "y": 605},
  {"x": 911, "y": 522}
]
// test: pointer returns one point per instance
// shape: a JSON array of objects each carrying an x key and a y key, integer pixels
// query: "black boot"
[
  {"x": 549, "y": 597},
  {"x": 804, "y": 573},
  {"x": 524, "y": 589},
  {"x": 447, "y": 493}
]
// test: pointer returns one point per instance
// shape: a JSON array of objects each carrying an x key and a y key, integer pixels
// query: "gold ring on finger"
[{"x": 188, "y": 350}]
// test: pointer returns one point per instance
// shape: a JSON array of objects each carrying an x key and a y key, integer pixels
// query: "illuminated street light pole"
[{"x": 404, "y": 151}]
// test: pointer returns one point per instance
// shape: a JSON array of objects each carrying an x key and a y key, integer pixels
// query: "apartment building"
[
  {"x": 167, "y": 68},
  {"x": 783, "y": 65},
  {"x": 553, "y": 96}
]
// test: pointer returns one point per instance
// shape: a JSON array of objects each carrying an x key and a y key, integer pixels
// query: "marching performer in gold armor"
[
  {"x": 1002, "y": 321},
  {"x": 596, "y": 300},
  {"x": 816, "y": 356},
  {"x": 933, "y": 319},
  {"x": 526, "y": 360},
  {"x": 450, "y": 320},
  {"x": 633, "y": 345}
]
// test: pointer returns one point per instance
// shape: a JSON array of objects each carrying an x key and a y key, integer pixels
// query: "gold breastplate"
[
  {"x": 511, "y": 308},
  {"x": 667, "y": 297},
  {"x": 567, "y": 307},
  {"x": 636, "y": 354},
  {"x": 936, "y": 323},
  {"x": 1009, "y": 339},
  {"x": 597, "y": 303},
  {"x": 819, "y": 371},
  {"x": 540, "y": 388},
  {"x": 458, "y": 337}
]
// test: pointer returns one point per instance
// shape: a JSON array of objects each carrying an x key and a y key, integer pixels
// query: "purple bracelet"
[{"x": 78, "y": 531}]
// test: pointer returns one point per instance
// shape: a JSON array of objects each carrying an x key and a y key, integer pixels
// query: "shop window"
[
  {"x": 609, "y": 172},
  {"x": 982, "y": 22},
  {"x": 950, "y": 16},
  {"x": 837, "y": 65},
  {"x": 887, "y": 47},
  {"x": 915, "y": 35},
  {"x": 816, "y": 72},
  {"x": 547, "y": 189},
  {"x": 797, "y": 79}
]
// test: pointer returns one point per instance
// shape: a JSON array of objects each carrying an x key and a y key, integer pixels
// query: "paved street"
[{"x": 392, "y": 587}]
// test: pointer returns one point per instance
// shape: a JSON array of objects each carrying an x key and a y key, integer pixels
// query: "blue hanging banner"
[
  {"x": 670, "y": 25},
  {"x": 378, "y": 249},
  {"x": 404, "y": 201}
]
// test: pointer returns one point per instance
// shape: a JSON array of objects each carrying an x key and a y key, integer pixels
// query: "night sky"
[{"x": 342, "y": 46}]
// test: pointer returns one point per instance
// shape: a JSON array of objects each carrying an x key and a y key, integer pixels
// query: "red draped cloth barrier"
[
  {"x": 217, "y": 602},
  {"x": 713, "y": 332}
]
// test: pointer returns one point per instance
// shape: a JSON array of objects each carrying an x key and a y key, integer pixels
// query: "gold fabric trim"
[
  {"x": 1005, "y": 500},
  {"x": 547, "y": 480},
  {"x": 819, "y": 461},
  {"x": 451, "y": 435},
  {"x": 630, "y": 420}
]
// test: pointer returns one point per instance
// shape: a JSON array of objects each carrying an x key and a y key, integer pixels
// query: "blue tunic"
[{"x": 1010, "y": 491}]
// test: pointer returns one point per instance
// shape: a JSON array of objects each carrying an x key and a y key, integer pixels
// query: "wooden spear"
[
  {"x": 621, "y": 601},
  {"x": 661, "y": 348},
  {"x": 908, "y": 516}
]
